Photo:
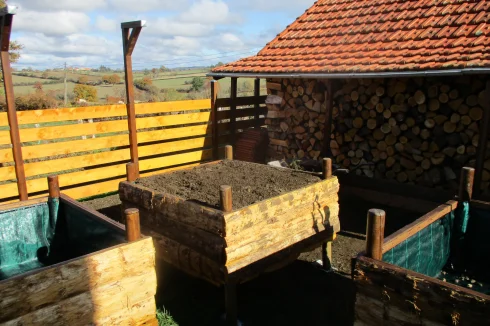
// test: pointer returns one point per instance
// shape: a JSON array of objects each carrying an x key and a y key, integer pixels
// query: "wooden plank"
[
  {"x": 240, "y": 101},
  {"x": 161, "y": 162},
  {"x": 419, "y": 224},
  {"x": 482, "y": 142},
  {"x": 8, "y": 190},
  {"x": 101, "y": 276},
  {"x": 214, "y": 117},
  {"x": 22, "y": 204},
  {"x": 240, "y": 113},
  {"x": 233, "y": 107},
  {"x": 66, "y": 131},
  {"x": 104, "y": 111},
  {"x": 480, "y": 204},
  {"x": 257, "y": 100},
  {"x": 89, "y": 144},
  {"x": 274, "y": 86}
]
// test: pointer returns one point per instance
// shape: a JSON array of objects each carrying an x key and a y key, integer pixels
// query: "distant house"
[{"x": 390, "y": 89}]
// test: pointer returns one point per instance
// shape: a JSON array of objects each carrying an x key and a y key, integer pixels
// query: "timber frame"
[{"x": 391, "y": 295}]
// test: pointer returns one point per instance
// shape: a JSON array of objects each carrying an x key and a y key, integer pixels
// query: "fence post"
[
  {"x": 375, "y": 231},
  {"x": 327, "y": 168},
  {"x": 233, "y": 96},
  {"x": 53, "y": 186},
  {"x": 132, "y": 220},
  {"x": 7, "y": 15},
  {"x": 214, "y": 118},
  {"x": 129, "y": 42}
]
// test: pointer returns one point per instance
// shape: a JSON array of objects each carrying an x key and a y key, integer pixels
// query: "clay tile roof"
[{"x": 366, "y": 36}]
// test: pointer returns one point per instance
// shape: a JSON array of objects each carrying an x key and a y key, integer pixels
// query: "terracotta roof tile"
[{"x": 378, "y": 35}]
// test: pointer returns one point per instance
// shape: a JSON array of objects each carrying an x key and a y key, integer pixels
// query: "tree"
[
  {"x": 45, "y": 75},
  {"x": 114, "y": 79},
  {"x": 83, "y": 80},
  {"x": 86, "y": 92},
  {"x": 154, "y": 72},
  {"x": 163, "y": 69},
  {"x": 146, "y": 72},
  {"x": 197, "y": 83},
  {"x": 38, "y": 86}
]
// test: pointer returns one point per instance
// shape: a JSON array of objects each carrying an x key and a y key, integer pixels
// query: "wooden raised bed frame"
[
  {"x": 391, "y": 295},
  {"x": 114, "y": 286}
]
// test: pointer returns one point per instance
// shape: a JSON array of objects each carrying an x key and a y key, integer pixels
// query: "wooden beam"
[
  {"x": 482, "y": 141},
  {"x": 130, "y": 108},
  {"x": 233, "y": 97},
  {"x": 135, "y": 33},
  {"x": 328, "y": 116},
  {"x": 375, "y": 231},
  {"x": 214, "y": 118},
  {"x": 257, "y": 101},
  {"x": 133, "y": 24},
  {"x": 10, "y": 102}
]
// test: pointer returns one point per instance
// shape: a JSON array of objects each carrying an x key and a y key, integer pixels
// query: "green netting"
[
  {"x": 48, "y": 233},
  {"x": 25, "y": 234},
  {"x": 427, "y": 251},
  {"x": 477, "y": 245}
]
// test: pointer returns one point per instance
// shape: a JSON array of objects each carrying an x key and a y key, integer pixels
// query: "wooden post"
[
  {"x": 129, "y": 42},
  {"x": 328, "y": 116},
  {"x": 466, "y": 184},
  {"x": 53, "y": 186},
  {"x": 132, "y": 217},
  {"x": 233, "y": 96},
  {"x": 327, "y": 255},
  {"x": 214, "y": 118},
  {"x": 482, "y": 141},
  {"x": 231, "y": 304},
  {"x": 257, "y": 104},
  {"x": 226, "y": 198},
  {"x": 375, "y": 231},
  {"x": 327, "y": 168},
  {"x": 229, "y": 152},
  {"x": 10, "y": 102}
]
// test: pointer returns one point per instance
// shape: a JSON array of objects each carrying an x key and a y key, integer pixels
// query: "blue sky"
[{"x": 86, "y": 33}]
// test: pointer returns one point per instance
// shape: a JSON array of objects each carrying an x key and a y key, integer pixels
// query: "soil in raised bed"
[{"x": 250, "y": 182}]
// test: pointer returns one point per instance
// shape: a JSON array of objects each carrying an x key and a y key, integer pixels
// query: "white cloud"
[
  {"x": 207, "y": 12},
  {"x": 106, "y": 24},
  {"x": 168, "y": 27},
  {"x": 58, "y": 5},
  {"x": 52, "y": 23},
  {"x": 230, "y": 42},
  {"x": 147, "y": 5},
  {"x": 298, "y": 6}
]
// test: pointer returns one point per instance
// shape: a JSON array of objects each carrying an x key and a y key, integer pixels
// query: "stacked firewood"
[
  {"x": 419, "y": 131},
  {"x": 296, "y": 123}
]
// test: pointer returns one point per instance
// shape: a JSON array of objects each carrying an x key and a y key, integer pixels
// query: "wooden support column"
[
  {"x": 129, "y": 42},
  {"x": 466, "y": 184},
  {"x": 375, "y": 231},
  {"x": 482, "y": 141},
  {"x": 132, "y": 221},
  {"x": 257, "y": 103},
  {"x": 10, "y": 102},
  {"x": 328, "y": 116},
  {"x": 233, "y": 96},
  {"x": 214, "y": 118},
  {"x": 53, "y": 186}
]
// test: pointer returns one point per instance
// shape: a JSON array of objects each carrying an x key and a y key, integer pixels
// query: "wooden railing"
[{"x": 90, "y": 158}]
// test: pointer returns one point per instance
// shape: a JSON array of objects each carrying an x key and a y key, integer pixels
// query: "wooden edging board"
[{"x": 419, "y": 224}]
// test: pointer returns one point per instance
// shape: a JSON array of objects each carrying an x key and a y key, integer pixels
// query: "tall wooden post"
[
  {"x": 375, "y": 231},
  {"x": 214, "y": 118},
  {"x": 7, "y": 18},
  {"x": 257, "y": 104},
  {"x": 233, "y": 96},
  {"x": 482, "y": 141},
  {"x": 129, "y": 42}
]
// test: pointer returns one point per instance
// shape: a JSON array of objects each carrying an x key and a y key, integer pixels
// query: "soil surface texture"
[{"x": 250, "y": 182}]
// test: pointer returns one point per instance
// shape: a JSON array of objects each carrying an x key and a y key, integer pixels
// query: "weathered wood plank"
[
  {"x": 240, "y": 101},
  {"x": 104, "y": 111}
]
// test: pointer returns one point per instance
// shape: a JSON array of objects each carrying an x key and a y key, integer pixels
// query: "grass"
[{"x": 164, "y": 318}]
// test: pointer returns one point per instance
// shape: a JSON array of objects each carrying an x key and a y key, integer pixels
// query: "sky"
[{"x": 179, "y": 33}]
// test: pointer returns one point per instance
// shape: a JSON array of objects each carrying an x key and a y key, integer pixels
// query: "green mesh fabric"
[
  {"x": 427, "y": 251},
  {"x": 26, "y": 233},
  {"x": 477, "y": 244}
]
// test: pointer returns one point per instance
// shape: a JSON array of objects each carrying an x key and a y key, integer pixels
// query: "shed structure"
[{"x": 391, "y": 89}]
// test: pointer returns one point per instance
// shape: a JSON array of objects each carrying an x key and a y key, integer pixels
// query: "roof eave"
[{"x": 383, "y": 74}]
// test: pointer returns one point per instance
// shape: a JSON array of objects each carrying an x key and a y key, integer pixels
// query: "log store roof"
[{"x": 374, "y": 36}]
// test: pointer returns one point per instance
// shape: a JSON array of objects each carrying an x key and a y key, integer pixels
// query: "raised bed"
[
  {"x": 62, "y": 263},
  {"x": 227, "y": 238},
  {"x": 432, "y": 271}
]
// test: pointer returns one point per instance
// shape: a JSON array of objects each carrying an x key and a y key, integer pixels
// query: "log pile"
[
  {"x": 297, "y": 122},
  {"x": 417, "y": 131}
]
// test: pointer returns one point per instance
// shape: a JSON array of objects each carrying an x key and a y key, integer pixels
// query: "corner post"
[
  {"x": 226, "y": 200},
  {"x": 129, "y": 42},
  {"x": 132, "y": 222},
  {"x": 375, "y": 231},
  {"x": 7, "y": 18},
  {"x": 466, "y": 184},
  {"x": 53, "y": 186},
  {"x": 327, "y": 168},
  {"x": 228, "y": 152}
]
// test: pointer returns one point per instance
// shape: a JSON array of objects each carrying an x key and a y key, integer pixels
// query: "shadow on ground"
[{"x": 299, "y": 294}]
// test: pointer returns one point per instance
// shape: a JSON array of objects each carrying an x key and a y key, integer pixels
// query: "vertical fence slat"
[
  {"x": 233, "y": 96},
  {"x": 257, "y": 103},
  {"x": 214, "y": 118}
]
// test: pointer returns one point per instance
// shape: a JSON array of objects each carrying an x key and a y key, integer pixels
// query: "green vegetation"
[
  {"x": 85, "y": 92},
  {"x": 164, "y": 318},
  {"x": 197, "y": 83}
]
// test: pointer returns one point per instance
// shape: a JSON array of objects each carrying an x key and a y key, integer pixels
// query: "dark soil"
[{"x": 250, "y": 182}]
